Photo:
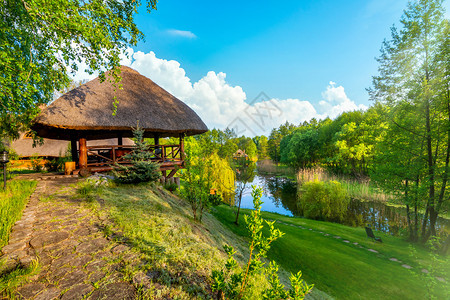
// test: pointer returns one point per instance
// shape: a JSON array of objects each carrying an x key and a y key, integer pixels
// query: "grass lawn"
[
  {"x": 12, "y": 202},
  {"x": 344, "y": 270}
]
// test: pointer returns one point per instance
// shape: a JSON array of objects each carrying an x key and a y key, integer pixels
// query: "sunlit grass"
[
  {"x": 12, "y": 203},
  {"x": 344, "y": 270},
  {"x": 361, "y": 190}
]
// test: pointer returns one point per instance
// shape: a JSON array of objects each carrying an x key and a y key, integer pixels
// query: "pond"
[{"x": 280, "y": 196}]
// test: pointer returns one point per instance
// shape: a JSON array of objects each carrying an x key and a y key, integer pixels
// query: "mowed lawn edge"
[{"x": 341, "y": 269}]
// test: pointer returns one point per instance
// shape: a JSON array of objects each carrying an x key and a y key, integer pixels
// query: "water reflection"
[{"x": 280, "y": 196}]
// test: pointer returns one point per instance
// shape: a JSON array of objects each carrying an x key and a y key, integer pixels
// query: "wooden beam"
[
  {"x": 182, "y": 155},
  {"x": 172, "y": 173},
  {"x": 82, "y": 161}
]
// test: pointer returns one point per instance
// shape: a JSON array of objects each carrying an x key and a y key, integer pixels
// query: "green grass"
[
  {"x": 11, "y": 279},
  {"x": 160, "y": 227},
  {"x": 12, "y": 202},
  {"x": 344, "y": 270}
]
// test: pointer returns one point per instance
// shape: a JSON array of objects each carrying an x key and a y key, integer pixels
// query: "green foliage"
[
  {"x": 40, "y": 39},
  {"x": 142, "y": 169},
  {"x": 36, "y": 164},
  {"x": 276, "y": 135},
  {"x": 323, "y": 200},
  {"x": 12, "y": 202},
  {"x": 198, "y": 181},
  {"x": 232, "y": 282},
  {"x": 413, "y": 85},
  {"x": 56, "y": 164}
]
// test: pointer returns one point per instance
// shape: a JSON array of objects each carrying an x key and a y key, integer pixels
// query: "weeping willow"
[
  {"x": 223, "y": 177},
  {"x": 212, "y": 169}
]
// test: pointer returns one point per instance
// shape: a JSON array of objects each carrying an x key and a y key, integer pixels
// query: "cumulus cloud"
[
  {"x": 221, "y": 105},
  {"x": 181, "y": 33}
]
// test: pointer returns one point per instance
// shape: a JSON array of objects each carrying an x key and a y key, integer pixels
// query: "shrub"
[
  {"x": 36, "y": 164},
  {"x": 233, "y": 282},
  {"x": 56, "y": 164},
  {"x": 142, "y": 169},
  {"x": 323, "y": 200}
]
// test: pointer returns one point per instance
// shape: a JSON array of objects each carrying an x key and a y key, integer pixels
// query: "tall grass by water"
[
  {"x": 357, "y": 189},
  {"x": 12, "y": 203},
  {"x": 268, "y": 167}
]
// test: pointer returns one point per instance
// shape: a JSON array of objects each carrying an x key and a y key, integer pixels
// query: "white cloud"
[
  {"x": 220, "y": 105},
  {"x": 182, "y": 33},
  {"x": 335, "y": 101}
]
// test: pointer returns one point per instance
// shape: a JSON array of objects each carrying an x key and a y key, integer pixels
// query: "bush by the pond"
[{"x": 323, "y": 200}]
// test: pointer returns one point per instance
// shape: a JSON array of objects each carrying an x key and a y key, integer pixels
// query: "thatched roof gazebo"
[{"x": 86, "y": 113}]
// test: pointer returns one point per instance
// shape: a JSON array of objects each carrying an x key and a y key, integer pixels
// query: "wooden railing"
[{"x": 111, "y": 154}]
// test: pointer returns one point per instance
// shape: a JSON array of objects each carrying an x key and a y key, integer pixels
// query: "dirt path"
[{"x": 76, "y": 259}]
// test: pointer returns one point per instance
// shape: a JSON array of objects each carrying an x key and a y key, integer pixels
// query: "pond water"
[{"x": 280, "y": 196}]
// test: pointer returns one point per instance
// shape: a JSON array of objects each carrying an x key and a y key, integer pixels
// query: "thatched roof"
[
  {"x": 87, "y": 111},
  {"x": 54, "y": 148}
]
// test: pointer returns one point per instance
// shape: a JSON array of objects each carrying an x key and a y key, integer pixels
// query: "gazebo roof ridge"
[{"x": 88, "y": 110}]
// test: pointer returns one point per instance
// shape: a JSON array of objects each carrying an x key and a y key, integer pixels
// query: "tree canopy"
[{"x": 40, "y": 40}]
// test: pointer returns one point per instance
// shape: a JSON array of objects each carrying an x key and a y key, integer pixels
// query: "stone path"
[
  {"x": 67, "y": 240},
  {"x": 393, "y": 259}
]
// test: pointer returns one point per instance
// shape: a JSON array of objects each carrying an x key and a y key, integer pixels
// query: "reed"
[
  {"x": 267, "y": 166},
  {"x": 362, "y": 189}
]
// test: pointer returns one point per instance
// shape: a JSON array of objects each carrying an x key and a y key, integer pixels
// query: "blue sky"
[
  {"x": 312, "y": 58},
  {"x": 288, "y": 49}
]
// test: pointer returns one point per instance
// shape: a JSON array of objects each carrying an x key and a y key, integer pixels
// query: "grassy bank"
[
  {"x": 12, "y": 202},
  {"x": 180, "y": 252},
  {"x": 344, "y": 270}
]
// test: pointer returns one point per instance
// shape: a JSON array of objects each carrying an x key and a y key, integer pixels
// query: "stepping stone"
[
  {"x": 440, "y": 279},
  {"x": 425, "y": 271},
  {"x": 14, "y": 247},
  {"x": 49, "y": 238},
  {"x": 394, "y": 259},
  {"x": 48, "y": 294},
  {"x": 120, "y": 249},
  {"x": 355, "y": 243},
  {"x": 372, "y": 250},
  {"x": 406, "y": 266},
  {"x": 337, "y": 237},
  {"x": 326, "y": 234},
  {"x": 77, "y": 292},
  {"x": 30, "y": 290},
  {"x": 121, "y": 290},
  {"x": 345, "y": 241},
  {"x": 309, "y": 229},
  {"x": 71, "y": 279}
]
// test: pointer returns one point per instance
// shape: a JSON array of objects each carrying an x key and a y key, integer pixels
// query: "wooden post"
[
  {"x": 82, "y": 162},
  {"x": 74, "y": 150},
  {"x": 156, "y": 138},
  {"x": 182, "y": 146},
  {"x": 120, "y": 139}
]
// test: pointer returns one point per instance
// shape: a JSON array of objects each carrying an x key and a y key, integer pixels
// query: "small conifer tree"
[{"x": 142, "y": 169}]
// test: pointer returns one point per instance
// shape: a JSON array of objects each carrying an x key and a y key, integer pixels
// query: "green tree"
[
  {"x": 411, "y": 77},
  {"x": 40, "y": 39},
  {"x": 275, "y": 138},
  {"x": 142, "y": 168}
]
